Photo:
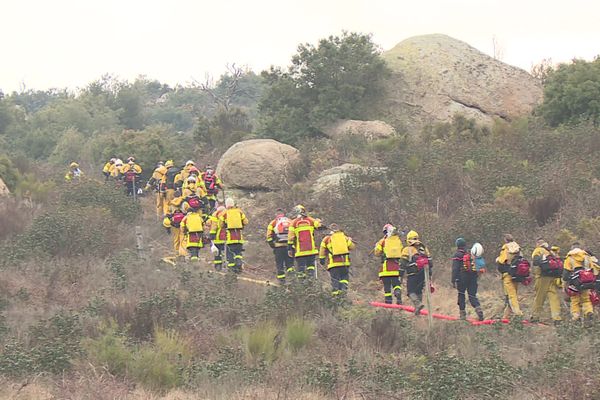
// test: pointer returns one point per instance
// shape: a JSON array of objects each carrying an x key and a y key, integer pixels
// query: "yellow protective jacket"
[
  {"x": 194, "y": 188},
  {"x": 115, "y": 170},
  {"x": 508, "y": 253},
  {"x": 193, "y": 222},
  {"x": 388, "y": 248},
  {"x": 577, "y": 258},
  {"x": 135, "y": 167},
  {"x": 106, "y": 168},
  {"x": 156, "y": 180},
  {"x": 73, "y": 174},
  {"x": 234, "y": 234},
  {"x": 218, "y": 233},
  {"x": 327, "y": 250},
  {"x": 301, "y": 236}
]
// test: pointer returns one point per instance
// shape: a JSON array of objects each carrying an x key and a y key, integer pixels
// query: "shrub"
[
  {"x": 109, "y": 350},
  {"x": 261, "y": 342},
  {"x": 298, "y": 333},
  {"x": 510, "y": 197}
]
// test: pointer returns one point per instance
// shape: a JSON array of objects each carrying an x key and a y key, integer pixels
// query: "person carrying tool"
[
  {"x": 547, "y": 272},
  {"x": 336, "y": 247},
  {"x": 301, "y": 242},
  {"x": 234, "y": 221},
  {"x": 508, "y": 261},
  {"x": 156, "y": 182},
  {"x": 212, "y": 183},
  {"x": 172, "y": 222},
  {"x": 464, "y": 278},
  {"x": 579, "y": 279},
  {"x": 277, "y": 234},
  {"x": 74, "y": 174},
  {"x": 218, "y": 237},
  {"x": 131, "y": 176},
  {"x": 192, "y": 226},
  {"x": 389, "y": 248},
  {"x": 415, "y": 258}
]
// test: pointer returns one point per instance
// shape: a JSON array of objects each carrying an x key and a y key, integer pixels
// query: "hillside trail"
[{"x": 259, "y": 268}]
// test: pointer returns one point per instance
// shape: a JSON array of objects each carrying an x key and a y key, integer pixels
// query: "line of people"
[{"x": 128, "y": 174}]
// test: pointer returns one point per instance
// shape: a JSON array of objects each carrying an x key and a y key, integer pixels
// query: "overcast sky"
[{"x": 69, "y": 43}]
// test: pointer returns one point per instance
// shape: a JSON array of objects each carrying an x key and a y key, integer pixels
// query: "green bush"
[
  {"x": 298, "y": 333},
  {"x": 109, "y": 350},
  {"x": 260, "y": 342}
]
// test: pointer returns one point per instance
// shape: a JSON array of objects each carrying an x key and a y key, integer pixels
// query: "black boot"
[{"x": 479, "y": 312}]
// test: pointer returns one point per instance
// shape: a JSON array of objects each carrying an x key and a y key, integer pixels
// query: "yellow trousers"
[
  {"x": 510, "y": 291},
  {"x": 178, "y": 239},
  {"x": 160, "y": 205},
  {"x": 169, "y": 195},
  {"x": 546, "y": 287},
  {"x": 581, "y": 303}
]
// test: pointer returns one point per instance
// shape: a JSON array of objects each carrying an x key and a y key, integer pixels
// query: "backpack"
[
  {"x": 469, "y": 262},
  {"x": 194, "y": 222},
  {"x": 392, "y": 247},
  {"x": 305, "y": 237},
  {"x": 519, "y": 270},
  {"x": 176, "y": 218},
  {"x": 210, "y": 182},
  {"x": 420, "y": 260},
  {"x": 552, "y": 266},
  {"x": 339, "y": 244},
  {"x": 281, "y": 229},
  {"x": 233, "y": 219},
  {"x": 170, "y": 177},
  {"x": 130, "y": 175},
  {"x": 194, "y": 202},
  {"x": 584, "y": 279}
]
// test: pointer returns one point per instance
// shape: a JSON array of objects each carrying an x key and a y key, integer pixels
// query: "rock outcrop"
[
  {"x": 258, "y": 164},
  {"x": 436, "y": 76},
  {"x": 368, "y": 129},
  {"x": 3, "y": 189},
  {"x": 331, "y": 180}
]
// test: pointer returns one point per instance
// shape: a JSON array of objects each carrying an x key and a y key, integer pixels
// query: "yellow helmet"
[
  {"x": 74, "y": 165},
  {"x": 169, "y": 163},
  {"x": 299, "y": 209},
  {"x": 412, "y": 236}
]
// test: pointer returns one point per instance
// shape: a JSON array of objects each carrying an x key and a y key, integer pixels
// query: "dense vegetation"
[{"x": 82, "y": 317}]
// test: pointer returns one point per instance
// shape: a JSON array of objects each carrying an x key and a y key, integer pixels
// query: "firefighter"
[
  {"x": 510, "y": 252},
  {"x": 389, "y": 248},
  {"x": 547, "y": 269},
  {"x": 579, "y": 279},
  {"x": 74, "y": 174},
  {"x": 212, "y": 184},
  {"x": 192, "y": 226},
  {"x": 218, "y": 237},
  {"x": 172, "y": 222},
  {"x": 464, "y": 278},
  {"x": 156, "y": 182},
  {"x": 168, "y": 181},
  {"x": 301, "y": 242},
  {"x": 107, "y": 167},
  {"x": 234, "y": 221},
  {"x": 336, "y": 248},
  {"x": 131, "y": 176},
  {"x": 415, "y": 258},
  {"x": 277, "y": 234}
]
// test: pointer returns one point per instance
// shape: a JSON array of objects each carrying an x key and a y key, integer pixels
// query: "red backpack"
[
  {"x": 176, "y": 218},
  {"x": 421, "y": 259},
  {"x": 520, "y": 269},
  {"x": 130, "y": 176},
  {"x": 194, "y": 202},
  {"x": 210, "y": 182},
  {"x": 553, "y": 266},
  {"x": 469, "y": 262}
]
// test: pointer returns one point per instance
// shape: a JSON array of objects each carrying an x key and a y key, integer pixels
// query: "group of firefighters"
[{"x": 186, "y": 202}]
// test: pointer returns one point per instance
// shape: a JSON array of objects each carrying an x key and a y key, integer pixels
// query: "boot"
[
  {"x": 398, "y": 295},
  {"x": 479, "y": 312},
  {"x": 462, "y": 314},
  {"x": 417, "y": 303},
  {"x": 587, "y": 320}
]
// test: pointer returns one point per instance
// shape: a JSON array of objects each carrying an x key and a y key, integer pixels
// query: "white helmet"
[{"x": 477, "y": 250}]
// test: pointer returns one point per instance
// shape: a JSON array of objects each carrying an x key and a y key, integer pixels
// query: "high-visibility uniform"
[
  {"x": 115, "y": 169},
  {"x": 169, "y": 185},
  {"x": 218, "y": 235},
  {"x": 106, "y": 169},
  {"x": 177, "y": 234},
  {"x": 170, "y": 222},
  {"x": 508, "y": 253},
  {"x": 234, "y": 221},
  {"x": 73, "y": 175},
  {"x": 336, "y": 248},
  {"x": 301, "y": 243},
  {"x": 415, "y": 276},
  {"x": 193, "y": 227},
  {"x": 578, "y": 259},
  {"x": 390, "y": 250},
  {"x": 131, "y": 174},
  {"x": 212, "y": 184},
  {"x": 278, "y": 242},
  {"x": 545, "y": 286},
  {"x": 156, "y": 181}
]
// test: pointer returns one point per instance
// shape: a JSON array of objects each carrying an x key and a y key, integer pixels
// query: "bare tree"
[
  {"x": 224, "y": 94},
  {"x": 542, "y": 70}
]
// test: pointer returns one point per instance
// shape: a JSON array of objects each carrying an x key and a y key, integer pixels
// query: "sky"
[{"x": 70, "y": 43}]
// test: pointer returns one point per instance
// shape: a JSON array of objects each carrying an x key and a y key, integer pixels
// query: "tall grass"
[{"x": 298, "y": 333}]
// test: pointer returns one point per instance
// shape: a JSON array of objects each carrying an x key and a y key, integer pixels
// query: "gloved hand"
[
  {"x": 322, "y": 261},
  {"x": 271, "y": 244}
]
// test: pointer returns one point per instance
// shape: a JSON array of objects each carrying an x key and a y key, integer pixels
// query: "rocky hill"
[{"x": 436, "y": 76}]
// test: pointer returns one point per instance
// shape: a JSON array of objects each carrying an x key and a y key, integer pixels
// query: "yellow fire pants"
[{"x": 510, "y": 291}]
